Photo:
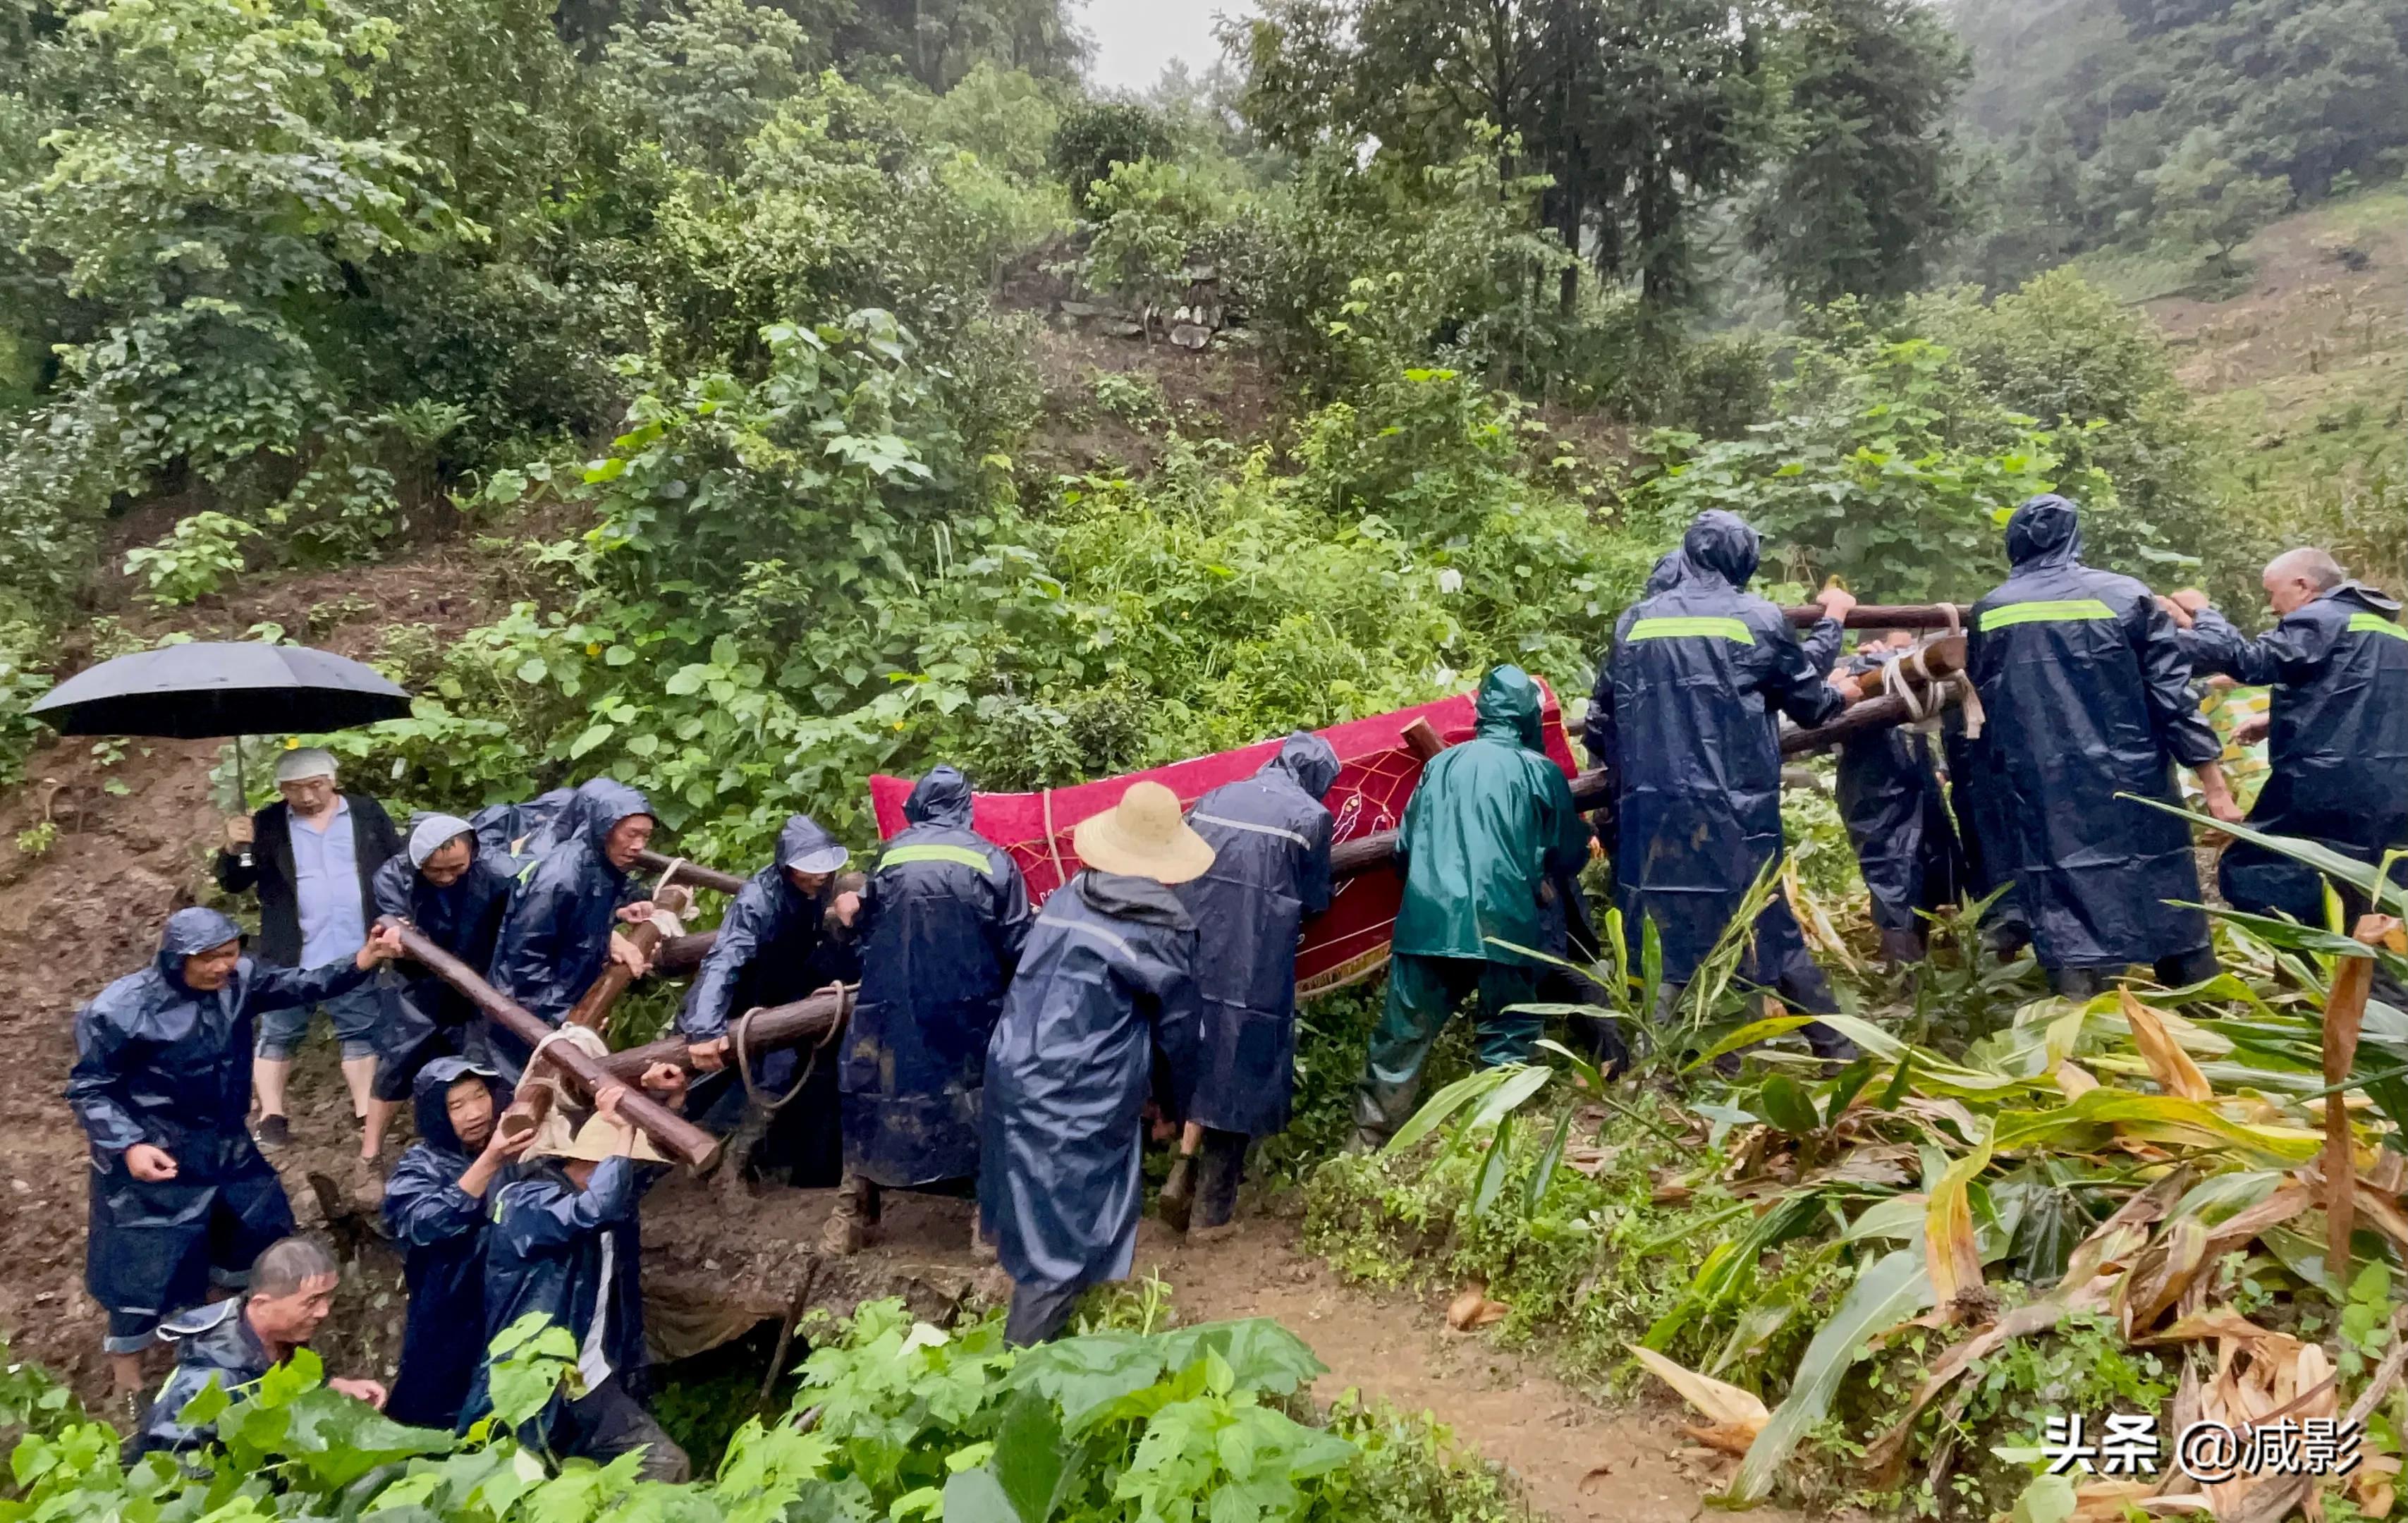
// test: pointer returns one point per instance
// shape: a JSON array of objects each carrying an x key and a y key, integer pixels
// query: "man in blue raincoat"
[
  {"x": 447, "y": 886},
  {"x": 162, "y": 1083},
  {"x": 1270, "y": 835},
  {"x": 560, "y": 934},
  {"x": 231, "y": 1344},
  {"x": 435, "y": 1209},
  {"x": 1897, "y": 815},
  {"x": 2336, "y": 727},
  {"x": 1108, "y": 976},
  {"x": 2087, "y": 690},
  {"x": 1703, "y": 672},
  {"x": 1977, "y": 794},
  {"x": 944, "y": 918},
  {"x": 773, "y": 947},
  {"x": 567, "y": 1244},
  {"x": 1489, "y": 837}
]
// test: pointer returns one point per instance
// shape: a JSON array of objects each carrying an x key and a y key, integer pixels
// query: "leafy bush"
[
  {"x": 894, "y": 1419},
  {"x": 1148, "y": 215},
  {"x": 22, "y": 680},
  {"x": 192, "y": 560},
  {"x": 1886, "y": 462},
  {"x": 1095, "y": 137}
]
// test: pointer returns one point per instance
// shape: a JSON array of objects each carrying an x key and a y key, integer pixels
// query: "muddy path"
[{"x": 1577, "y": 1461}]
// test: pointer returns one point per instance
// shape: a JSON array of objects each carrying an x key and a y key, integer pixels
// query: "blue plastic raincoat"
[
  {"x": 159, "y": 1063},
  {"x": 440, "y": 1229},
  {"x": 1269, "y": 836},
  {"x": 2087, "y": 690},
  {"x": 464, "y": 919},
  {"x": 213, "y": 1343},
  {"x": 555, "y": 937},
  {"x": 2337, "y": 739},
  {"x": 1702, "y": 671},
  {"x": 764, "y": 943},
  {"x": 1108, "y": 976},
  {"x": 563, "y": 1252},
  {"x": 1897, "y": 814},
  {"x": 943, "y": 921}
]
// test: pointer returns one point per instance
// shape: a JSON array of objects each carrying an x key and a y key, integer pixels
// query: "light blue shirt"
[{"x": 326, "y": 887}]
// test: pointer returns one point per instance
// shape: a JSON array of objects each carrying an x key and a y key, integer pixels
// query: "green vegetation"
[
  {"x": 893, "y": 1419},
  {"x": 720, "y": 342},
  {"x": 2187, "y": 123},
  {"x": 2038, "y": 1210}
]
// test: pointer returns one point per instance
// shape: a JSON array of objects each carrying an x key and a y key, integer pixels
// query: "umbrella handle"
[{"x": 242, "y": 798}]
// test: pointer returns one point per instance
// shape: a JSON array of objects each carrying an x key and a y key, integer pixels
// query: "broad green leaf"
[{"x": 1887, "y": 1292}]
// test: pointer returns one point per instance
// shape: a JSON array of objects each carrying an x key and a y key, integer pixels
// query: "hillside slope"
[{"x": 2303, "y": 377}]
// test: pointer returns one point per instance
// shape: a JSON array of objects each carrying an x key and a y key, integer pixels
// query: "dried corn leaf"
[
  {"x": 2073, "y": 1080},
  {"x": 2176, "y": 1073},
  {"x": 2161, "y": 1273},
  {"x": 1471, "y": 1308},
  {"x": 1951, "y": 1253},
  {"x": 1729, "y": 1407}
]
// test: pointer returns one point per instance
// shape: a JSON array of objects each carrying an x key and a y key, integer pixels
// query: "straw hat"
[
  {"x": 1143, "y": 837},
  {"x": 600, "y": 1138}
]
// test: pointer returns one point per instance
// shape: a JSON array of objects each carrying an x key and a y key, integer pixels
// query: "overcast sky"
[{"x": 1134, "y": 38}]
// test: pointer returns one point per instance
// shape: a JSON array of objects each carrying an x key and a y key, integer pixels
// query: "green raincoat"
[{"x": 1491, "y": 820}]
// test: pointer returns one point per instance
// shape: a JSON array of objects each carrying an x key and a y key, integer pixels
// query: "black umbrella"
[
  {"x": 205, "y": 691},
  {"x": 201, "y": 691}
]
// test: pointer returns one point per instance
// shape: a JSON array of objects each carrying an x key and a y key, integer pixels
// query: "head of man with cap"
[{"x": 440, "y": 847}]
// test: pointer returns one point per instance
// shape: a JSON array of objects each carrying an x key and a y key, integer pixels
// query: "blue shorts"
[{"x": 356, "y": 1016}]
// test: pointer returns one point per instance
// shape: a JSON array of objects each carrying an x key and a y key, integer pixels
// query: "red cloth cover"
[{"x": 1379, "y": 772}]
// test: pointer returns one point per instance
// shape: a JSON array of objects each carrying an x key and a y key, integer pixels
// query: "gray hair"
[
  {"x": 2314, "y": 567},
  {"x": 285, "y": 1266}
]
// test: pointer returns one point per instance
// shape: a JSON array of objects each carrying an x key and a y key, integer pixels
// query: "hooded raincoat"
[
  {"x": 464, "y": 919},
  {"x": 515, "y": 836},
  {"x": 213, "y": 1343},
  {"x": 2337, "y": 739},
  {"x": 157, "y": 1062},
  {"x": 764, "y": 943},
  {"x": 2087, "y": 690},
  {"x": 1491, "y": 822},
  {"x": 1977, "y": 795},
  {"x": 567, "y": 1254},
  {"x": 1270, "y": 836},
  {"x": 555, "y": 937},
  {"x": 1897, "y": 814},
  {"x": 440, "y": 1229},
  {"x": 1108, "y": 976},
  {"x": 1703, "y": 672},
  {"x": 943, "y": 921}
]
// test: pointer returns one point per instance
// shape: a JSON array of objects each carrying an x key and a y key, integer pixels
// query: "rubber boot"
[
  {"x": 1178, "y": 1198},
  {"x": 853, "y": 1224},
  {"x": 735, "y": 1160}
]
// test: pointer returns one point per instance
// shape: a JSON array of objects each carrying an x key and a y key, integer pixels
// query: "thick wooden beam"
[
  {"x": 726, "y": 882},
  {"x": 805, "y": 1023},
  {"x": 1886, "y": 616},
  {"x": 676, "y": 1135}
]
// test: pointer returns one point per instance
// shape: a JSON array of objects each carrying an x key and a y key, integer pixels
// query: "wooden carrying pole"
[
  {"x": 726, "y": 882},
  {"x": 1886, "y": 616},
  {"x": 1942, "y": 658},
  {"x": 808, "y": 1022},
  {"x": 676, "y": 1135}
]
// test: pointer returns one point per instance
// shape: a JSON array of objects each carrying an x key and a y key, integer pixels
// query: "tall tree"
[
  {"x": 1640, "y": 111},
  {"x": 1868, "y": 190}
]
